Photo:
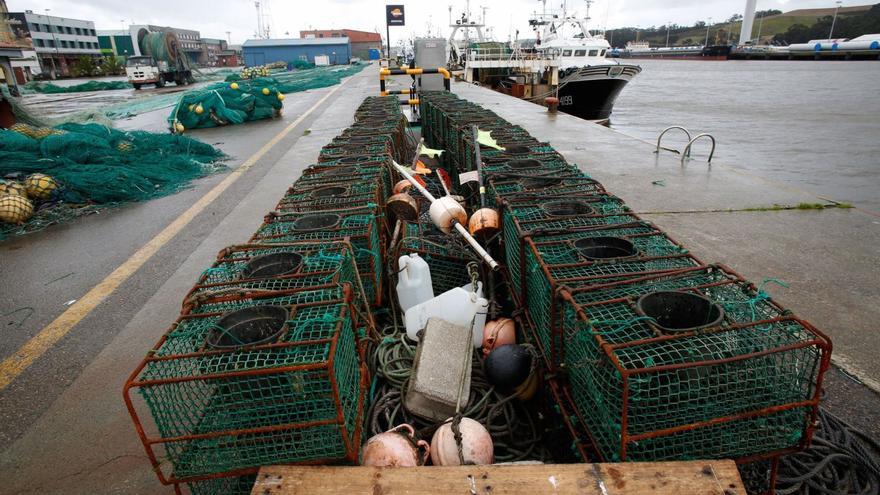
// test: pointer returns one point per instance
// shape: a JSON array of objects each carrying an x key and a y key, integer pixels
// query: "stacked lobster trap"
[
  {"x": 657, "y": 355},
  {"x": 265, "y": 363}
]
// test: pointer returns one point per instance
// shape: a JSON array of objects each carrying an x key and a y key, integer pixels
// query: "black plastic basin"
[
  {"x": 605, "y": 248},
  {"x": 567, "y": 208},
  {"x": 256, "y": 325},
  {"x": 317, "y": 221},
  {"x": 272, "y": 265},
  {"x": 329, "y": 192},
  {"x": 675, "y": 311}
]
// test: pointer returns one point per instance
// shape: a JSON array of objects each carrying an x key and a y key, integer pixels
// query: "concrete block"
[{"x": 443, "y": 357}]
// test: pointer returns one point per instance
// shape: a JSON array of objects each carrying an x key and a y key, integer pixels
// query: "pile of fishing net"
[
  {"x": 49, "y": 88},
  {"x": 54, "y": 174},
  {"x": 245, "y": 100},
  {"x": 225, "y": 104}
]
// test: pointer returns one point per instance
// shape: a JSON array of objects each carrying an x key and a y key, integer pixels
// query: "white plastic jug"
[
  {"x": 459, "y": 306},
  {"x": 413, "y": 281}
]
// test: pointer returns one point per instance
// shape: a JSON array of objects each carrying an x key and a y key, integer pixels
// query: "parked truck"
[{"x": 161, "y": 61}]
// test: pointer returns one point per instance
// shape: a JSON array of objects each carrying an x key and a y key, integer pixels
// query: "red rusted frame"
[
  {"x": 556, "y": 285},
  {"x": 820, "y": 341},
  {"x": 344, "y": 244},
  {"x": 275, "y": 217},
  {"x": 351, "y": 446}
]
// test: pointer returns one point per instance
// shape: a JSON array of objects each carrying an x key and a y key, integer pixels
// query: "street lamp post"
[
  {"x": 707, "y": 32},
  {"x": 54, "y": 42},
  {"x": 668, "y": 24},
  {"x": 834, "y": 20}
]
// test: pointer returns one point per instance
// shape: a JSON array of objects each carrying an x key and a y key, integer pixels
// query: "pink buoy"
[
  {"x": 476, "y": 444},
  {"x": 396, "y": 447},
  {"x": 497, "y": 333}
]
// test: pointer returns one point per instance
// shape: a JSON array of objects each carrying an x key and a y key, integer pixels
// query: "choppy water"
[{"x": 815, "y": 125}]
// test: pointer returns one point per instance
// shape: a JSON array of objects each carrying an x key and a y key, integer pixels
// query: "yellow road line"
[{"x": 27, "y": 354}]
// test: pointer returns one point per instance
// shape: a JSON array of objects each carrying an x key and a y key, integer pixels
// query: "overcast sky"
[{"x": 213, "y": 18}]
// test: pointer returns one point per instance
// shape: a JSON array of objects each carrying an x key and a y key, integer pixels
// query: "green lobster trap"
[
  {"x": 529, "y": 166},
  {"x": 360, "y": 227},
  {"x": 255, "y": 268},
  {"x": 538, "y": 186},
  {"x": 251, "y": 381},
  {"x": 690, "y": 364},
  {"x": 587, "y": 258},
  {"x": 305, "y": 197}
]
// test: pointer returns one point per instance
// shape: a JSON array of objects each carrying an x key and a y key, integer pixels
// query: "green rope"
[{"x": 760, "y": 296}]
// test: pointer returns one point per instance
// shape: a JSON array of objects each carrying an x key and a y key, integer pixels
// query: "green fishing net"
[
  {"x": 242, "y": 100},
  {"x": 93, "y": 165},
  {"x": 224, "y": 104},
  {"x": 49, "y": 88}
]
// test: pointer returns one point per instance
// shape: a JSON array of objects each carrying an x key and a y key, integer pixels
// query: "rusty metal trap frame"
[
  {"x": 252, "y": 268},
  {"x": 538, "y": 186},
  {"x": 330, "y": 174},
  {"x": 515, "y": 232},
  {"x": 747, "y": 383},
  {"x": 224, "y": 404},
  {"x": 332, "y": 196},
  {"x": 583, "y": 258},
  {"x": 528, "y": 166},
  {"x": 360, "y": 227}
]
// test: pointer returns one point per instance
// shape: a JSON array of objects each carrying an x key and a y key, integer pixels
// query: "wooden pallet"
[{"x": 657, "y": 478}]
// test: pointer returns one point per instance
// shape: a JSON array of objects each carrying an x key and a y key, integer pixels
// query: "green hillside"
[{"x": 791, "y": 27}]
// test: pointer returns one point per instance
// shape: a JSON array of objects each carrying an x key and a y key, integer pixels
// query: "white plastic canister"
[
  {"x": 413, "y": 281},
  {"x": 459, "y": 306}
]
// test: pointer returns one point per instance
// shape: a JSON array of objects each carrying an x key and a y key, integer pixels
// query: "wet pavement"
[{"x": 63, "y": 424}]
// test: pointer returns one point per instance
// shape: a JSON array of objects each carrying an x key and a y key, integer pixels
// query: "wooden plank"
[{"x": 658, "y": 478}]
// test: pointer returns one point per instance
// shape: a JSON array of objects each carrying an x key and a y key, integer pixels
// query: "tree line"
[{"x": 846, "y": 26}]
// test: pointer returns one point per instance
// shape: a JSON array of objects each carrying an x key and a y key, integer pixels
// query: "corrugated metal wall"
[{"x": 259, "y": 55}]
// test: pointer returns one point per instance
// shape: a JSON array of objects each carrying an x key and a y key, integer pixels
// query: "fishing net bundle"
[
  {"x": 225, "y": 104},
  {"x": 90, "y": 166},
  {"x": 242, "y": 100}
]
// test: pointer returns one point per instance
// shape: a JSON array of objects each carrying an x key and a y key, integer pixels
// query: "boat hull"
[{"x": 590, "y": 92}]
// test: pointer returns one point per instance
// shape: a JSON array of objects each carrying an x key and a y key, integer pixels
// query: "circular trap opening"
[
  {"x": 316, "y": 222},
  {"x": 360, "y": 139},
  {"x": 567, "y": 208},
  {"x": 538, "y": 183},
  {"x": 605, "y": 248},
  {"x": 676, "y": 311},
  {"x": 516, "y": 149},
  {"x": 272, "y": 265},
  {"x": 523, "y": 164},
  {"x": 329, "y": 192},
  {"x": 249, "y": 326}
]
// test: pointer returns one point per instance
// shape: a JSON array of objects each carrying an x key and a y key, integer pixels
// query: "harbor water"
[{"x": 813, "y": 125}]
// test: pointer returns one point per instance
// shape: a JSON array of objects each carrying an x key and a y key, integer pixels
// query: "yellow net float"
[
  {"x": 40, "y": 186},
  {"x": 12, "y": 188},
  {"x": 15, "y": 209}
]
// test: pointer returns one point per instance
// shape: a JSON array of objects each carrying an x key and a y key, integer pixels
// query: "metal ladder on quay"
[{"x": 686, "y": 153}]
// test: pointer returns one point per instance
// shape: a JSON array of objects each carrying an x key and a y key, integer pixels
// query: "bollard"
[{"x": 552, "y": 103}]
